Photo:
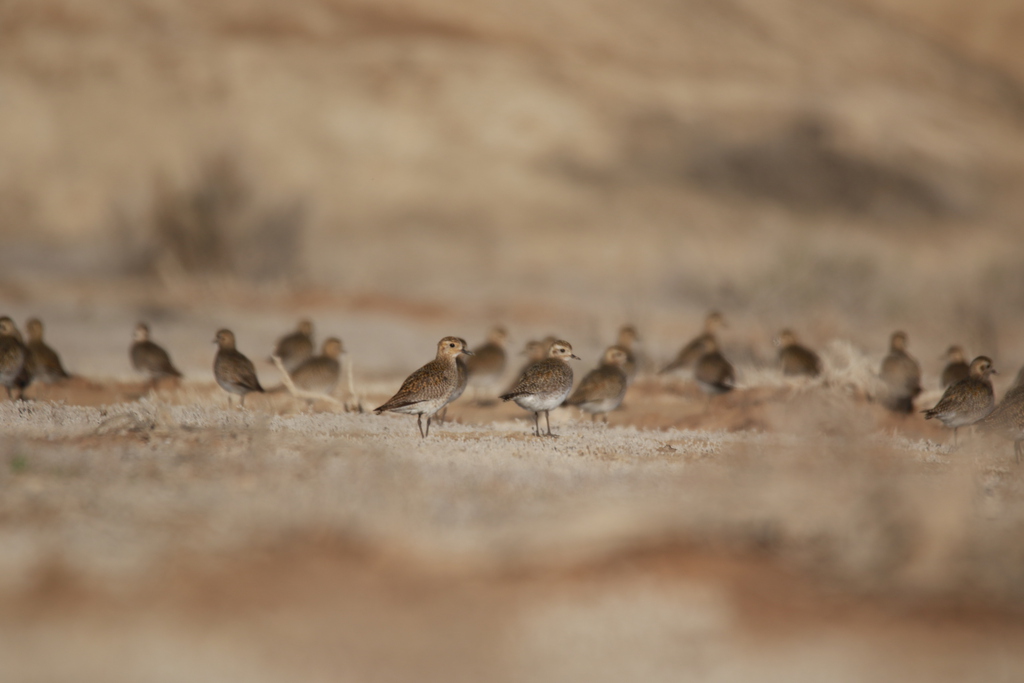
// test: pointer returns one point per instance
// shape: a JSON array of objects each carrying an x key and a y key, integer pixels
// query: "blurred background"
[{"x": 837, "y": 165}]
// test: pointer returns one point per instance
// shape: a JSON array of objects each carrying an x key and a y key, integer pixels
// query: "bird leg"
[
  {"x": 419, "y": 423},
  {"x": 547, "y": 417},
  {"x": 429, "y": 417},
  {"x": 954, "y": 436},
  {"x": 536, "y": 423},
  {"x": 442, "y": 416},
  {"x": 241, "y": 402},
  {"x": 1018, "y": 447}
]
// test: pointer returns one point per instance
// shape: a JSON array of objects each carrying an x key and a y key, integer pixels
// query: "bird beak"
[
  {"x": 468, "y": 352},
  {"x": 575, "y": 356}
]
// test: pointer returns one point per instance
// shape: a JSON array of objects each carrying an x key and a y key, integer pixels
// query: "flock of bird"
[{"x": 546, "y": 381}]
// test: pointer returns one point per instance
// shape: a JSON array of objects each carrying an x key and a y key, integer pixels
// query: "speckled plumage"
[
  {"x": 13, "y": 357},
  {"x": 699, "y": 346},
  {"x": 713, "y": 373},
  {"x": 545, "y": 384},
  {"x": 321, "y": 373},
  {"x": 956, "y": 368},
  {"x": 43, "y": 362},
  {"x": 430, "y": 388},
  {"x": 233, "y": 371},
  {"x": 150, "y": 358},
  {"x": 602, "y": 389},
  {"x": 901, "y": 375},
  {"x": 968, "y": 400},
  {"x": 796, "y": 359},
  {"x": 296, "y": 348}
]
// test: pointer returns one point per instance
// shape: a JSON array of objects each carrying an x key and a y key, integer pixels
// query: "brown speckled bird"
[
  {"x": 430, "y": 388},
  {"x": 689, "y": 354},
  {"x": 296, "y": 348},
  {"x": 602, "y": 389},
  {"x": 233, "y": 371},
  {"x": 1007, "y": 419},
  {"x": 487, "y": 364},
  {"x": 968, "y": 400},
  {"x": 796, "y": 359},
  {"x": 713, "y": 373},
  {"x": 150, "y": 358},
  {"x": 320, "y": 374},
  {"x": 627, "y": 341},
  {"x": 956, "y": 368},
  {"x": 901, "y": 375},
  {"x": 13, "y": 357},
  {"x": 544, "y": 385},
  {"x": 43, "y": 362}
]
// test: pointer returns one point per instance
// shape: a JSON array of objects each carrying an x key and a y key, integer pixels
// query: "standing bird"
[
  {"x": 956, "y": 368},
  {"x": 430, "y": 388},
  {"x": 967, "y": 401},
  {"x": 713, "y": 373},
  {"x": 487, "y": 364},
  {"x": 320, "y": 374},
  {"x": 150, "y": 358},
  {"x": 901, "y": 375},
  {"x": 1008, "y": 417},
  {"x": 699, "y": 345},
  {"x": 795, "y": 358},
  {"x": 295, "y": 348},
  {"x": 602, "y": 389},
  {"x": 13, "y": 357},
  {"x": 627, "y": 340},
  {"x": 233, "y": 371},
  {"x": 544, "y": 385},
  {"x": 43, "y": 362}
]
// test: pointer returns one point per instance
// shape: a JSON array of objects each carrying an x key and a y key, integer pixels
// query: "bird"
[
  {"x": 795, "y": 358},
  {"x": 233, "y": 371},
  {"x": 43, "y": 362},
  {"x": 627, "y": 340},
  {"x": 150, "y": 358},
  {"x": 430, "y": 388},
  {"x": 544, "y": 385},
  {"x": 901, "y": 375},
  {"x": 534, "y": 350},
  {"x": 1007, "y": 419},
  {"x": 320, "y": 374},
  {"x": 713, "y": 373},
  {"x": 460, "y": 385},
  {"x": 295, "y": 348},
  {"x": 601, "y": 390},
  {"x": 968, "y": 400},
  {"x": 698, "y": 346},
  {"x": 956, "y": 368},
  {"x": 487, "y": 364},
  {"x": 13, "y": 357}
]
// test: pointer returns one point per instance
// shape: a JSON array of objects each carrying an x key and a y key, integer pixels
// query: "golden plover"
[
  {"x": 627, "y": 341},
  {"x": 321, "y": 373},
  {"x": 1008, "y": 417},
  {"x": 968, "y": 400},
  {"x": 545, "y": 384},
  {"x": 602, "y": 389},
  {"x": 689, "y": 354},
  {"x": 233, "y": 371},
  {"x": 13, "y": 357},
  {"x": 460, "y": 383},
  {"x": 43, "y": 362},
  {"x": 794, "y": 358},
  {"x": 487, "y": 364},
  {"x": 295, "y": 348},
  {"x": 430, "y": 388},
  {"x": 148, "y": 357},
  {"x": 956, "y": 367},
  {"x": 901, "y": 375},
  {"x": 713, "y": 373}
]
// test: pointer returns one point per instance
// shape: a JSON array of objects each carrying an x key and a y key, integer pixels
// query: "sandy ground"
[{"x": 793, "y": 530}]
